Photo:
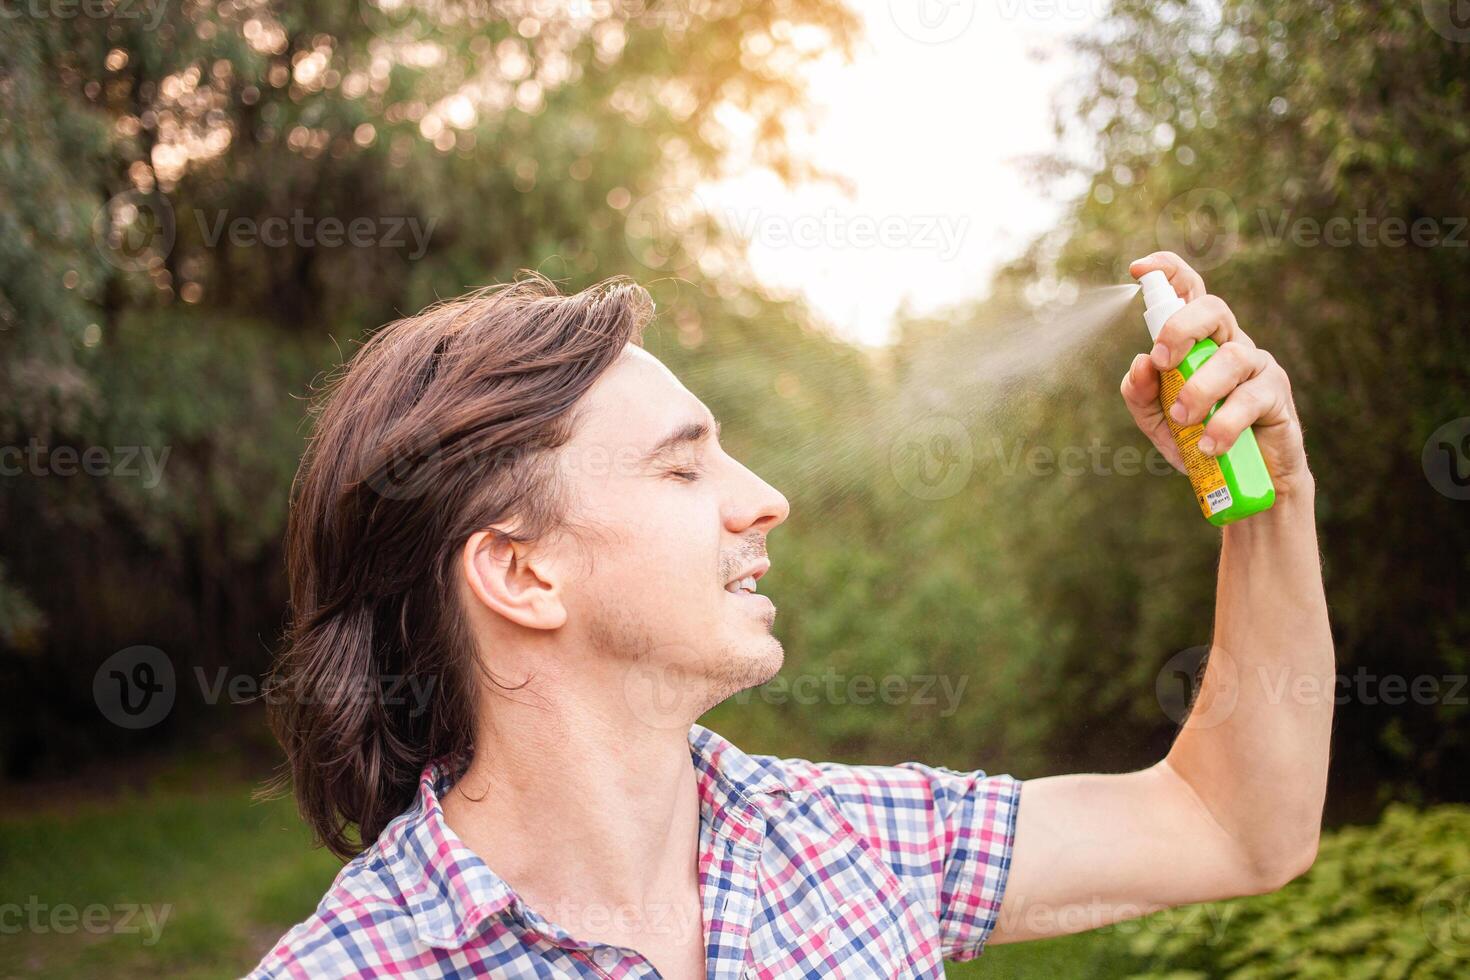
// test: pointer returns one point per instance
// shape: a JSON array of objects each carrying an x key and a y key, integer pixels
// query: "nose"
[{"x": 753, "y": 504}]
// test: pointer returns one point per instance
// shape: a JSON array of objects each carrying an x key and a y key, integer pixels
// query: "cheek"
[
  {"x": 686, "y": 545},
  {"x": 668, "y": 543}
]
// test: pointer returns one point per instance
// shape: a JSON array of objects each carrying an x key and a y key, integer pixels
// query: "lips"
[
  {"x": 742, "y": 592},
  {"x": 745, "y": 579}
]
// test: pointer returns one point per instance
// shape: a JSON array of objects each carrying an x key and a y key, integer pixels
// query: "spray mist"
[{"x": 1234, "y": 484}]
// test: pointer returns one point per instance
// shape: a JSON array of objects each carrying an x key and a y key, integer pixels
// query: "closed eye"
[{"x": 688, "y": 476}]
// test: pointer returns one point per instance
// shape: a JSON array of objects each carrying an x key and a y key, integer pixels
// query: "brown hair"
[{"x": 440, "y": 426}]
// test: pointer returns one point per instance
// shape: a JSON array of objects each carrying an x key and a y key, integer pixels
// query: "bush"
[{"x": 1387, "y": 901}]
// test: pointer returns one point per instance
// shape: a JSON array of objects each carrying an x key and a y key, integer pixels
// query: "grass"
[
  {"x": 1091, "y": 954},
  {"x": 167, "y": 883},
  {"x": 188, "y": 881}
]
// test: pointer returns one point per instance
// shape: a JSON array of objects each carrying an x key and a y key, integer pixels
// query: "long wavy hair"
[{"x": 442, "y": 425}]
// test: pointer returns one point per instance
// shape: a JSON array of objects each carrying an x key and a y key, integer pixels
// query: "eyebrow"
[{"x": 686, "y": 434}]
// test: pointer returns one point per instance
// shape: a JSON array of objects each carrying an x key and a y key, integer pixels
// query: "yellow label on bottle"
[{"x": 1203, "y": 469}]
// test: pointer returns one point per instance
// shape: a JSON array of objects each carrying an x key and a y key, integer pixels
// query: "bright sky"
[{"x": 931, "y": 123}]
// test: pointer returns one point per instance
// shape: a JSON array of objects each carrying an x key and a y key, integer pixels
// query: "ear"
[{"x": 504, "y": 577}]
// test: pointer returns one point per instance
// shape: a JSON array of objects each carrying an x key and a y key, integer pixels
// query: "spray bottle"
[{"x": 1234, "y": 484}]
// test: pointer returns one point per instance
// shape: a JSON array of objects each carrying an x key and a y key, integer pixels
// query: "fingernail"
[
  {"x": 1206, "y": 445},
  {"x": 1159, "y": 355},
  {"x": 1176, "y": 412}
]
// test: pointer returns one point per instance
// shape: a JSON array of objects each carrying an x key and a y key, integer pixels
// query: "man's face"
[{"x": 672, "y": 524}]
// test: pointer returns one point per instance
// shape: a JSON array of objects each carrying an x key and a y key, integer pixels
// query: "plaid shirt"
[{"x": 805, "y": 870}]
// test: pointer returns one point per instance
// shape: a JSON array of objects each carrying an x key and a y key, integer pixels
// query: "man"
[{"x": 517, "y": 534}]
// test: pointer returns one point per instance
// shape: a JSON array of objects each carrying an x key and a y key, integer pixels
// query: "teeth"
[{"x": 746, "y": 584}]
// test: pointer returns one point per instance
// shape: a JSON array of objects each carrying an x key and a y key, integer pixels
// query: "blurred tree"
[
  {"x": 1288, "y": 151},
  {"x": 205, "y": 204},
  {"x": 141, "y": 157}
]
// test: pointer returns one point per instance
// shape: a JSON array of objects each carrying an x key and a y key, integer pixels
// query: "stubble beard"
[{"x": 687, "y": 679}]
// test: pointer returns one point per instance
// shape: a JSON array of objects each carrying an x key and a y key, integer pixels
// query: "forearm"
[{"x": 1256, "y": 750}]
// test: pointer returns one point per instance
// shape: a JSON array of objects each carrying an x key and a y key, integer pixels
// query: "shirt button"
[{"x": 606, "y": 957}]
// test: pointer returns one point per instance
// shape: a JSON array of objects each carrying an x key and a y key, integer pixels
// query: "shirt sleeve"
[{"x": 947, "y": 835}]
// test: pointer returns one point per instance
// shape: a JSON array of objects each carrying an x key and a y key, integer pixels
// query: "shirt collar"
[
  {"x": 732, "y": 785},
  {"x": 449, "y": 891}
]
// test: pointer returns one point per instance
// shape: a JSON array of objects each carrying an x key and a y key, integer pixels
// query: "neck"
[{"x": 572, "y": 803}]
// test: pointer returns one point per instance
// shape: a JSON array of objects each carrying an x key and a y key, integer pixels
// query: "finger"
[
  {"x": 1186, "y": 282},
  {"x": 1140, "y": 389},
  {"x": 1208, "y": 316},
  {"x": 1141, "y": 386},
  {"x": 1263, "y": 400},
  {"x": 1232, "y": 365}
]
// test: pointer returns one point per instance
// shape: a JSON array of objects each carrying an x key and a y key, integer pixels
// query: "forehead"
[{"x": 636, "y": 402}]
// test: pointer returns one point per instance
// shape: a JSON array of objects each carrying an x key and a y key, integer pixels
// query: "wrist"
[
  {"x": 1296, "y": 499},
  {"x": 1297, "y": 488}
]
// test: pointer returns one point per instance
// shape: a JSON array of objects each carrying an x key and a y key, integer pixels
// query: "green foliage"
[
  {"x": 1228, "y": 132},
  {"x": 135, "y": 319},
  {"x": 1047, "y": 601},
  {"x": 1386, "y": 901}
]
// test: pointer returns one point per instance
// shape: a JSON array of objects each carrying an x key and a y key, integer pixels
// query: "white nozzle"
[{"x": 1159, "y": 301}]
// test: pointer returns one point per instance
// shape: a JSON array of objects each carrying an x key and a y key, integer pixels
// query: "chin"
[
  {"x": 749, "y": 665},
  {"x": 671, "y": 692}
]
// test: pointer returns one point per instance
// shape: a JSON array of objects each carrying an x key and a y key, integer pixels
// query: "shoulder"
[
  {"x": 946, "y": 835},
  {"x": 871, "y": 795},
  {"x": 363, "y": 913},
  {"x": 922, "y": 820},
  {"x": 873, "y": 799}
]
